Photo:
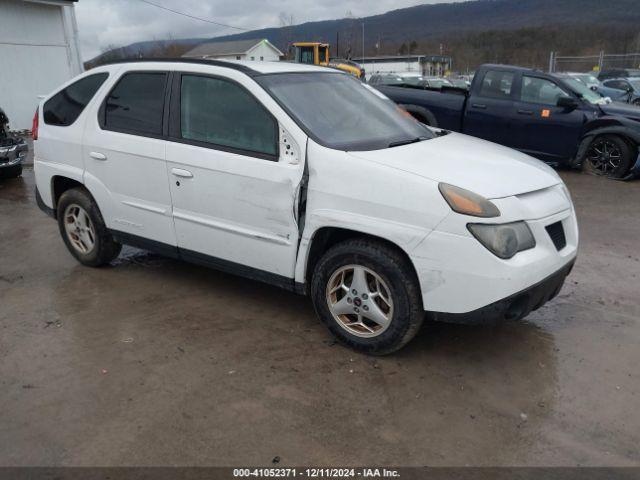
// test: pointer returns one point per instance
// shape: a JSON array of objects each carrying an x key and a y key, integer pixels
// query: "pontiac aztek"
[{"x": 305, "y": 178}]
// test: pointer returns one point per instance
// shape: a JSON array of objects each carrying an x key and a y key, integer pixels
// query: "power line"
[{"x": 196, "y": 18}]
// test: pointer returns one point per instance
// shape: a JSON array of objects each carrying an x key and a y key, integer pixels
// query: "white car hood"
[{"x": 486, "y": 168}]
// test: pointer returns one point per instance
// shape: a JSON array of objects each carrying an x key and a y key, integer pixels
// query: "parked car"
[
  {"x": 13, "y": 150},
  {"x": 618, "y": 73},
  {"x": 239, "y": 167},
  {"x": 625, "y": 90},
  {"x": 553, "y": 117},
  {"x": 409, "y": 79},
  {"x": 588, "y": 79},
  {"x": 460, "y": 83}
]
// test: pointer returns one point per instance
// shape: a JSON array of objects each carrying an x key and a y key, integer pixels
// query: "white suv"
[{"x": 305, "y": 178}]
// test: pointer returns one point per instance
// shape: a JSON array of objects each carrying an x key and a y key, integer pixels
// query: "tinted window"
[
  {"x": 136, "y": 103},
  {"x": 66, "y": 106},
  {"x": 223, "y": 113},
  {"x": 539, "y": 90},
  {"x": 617, "y": 84},
  {"x": 496, "y": 84}
]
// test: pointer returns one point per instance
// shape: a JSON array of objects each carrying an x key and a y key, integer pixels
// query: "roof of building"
[
  {"x": 249, "y": 67},
  {"x": 236, "y": 47}
]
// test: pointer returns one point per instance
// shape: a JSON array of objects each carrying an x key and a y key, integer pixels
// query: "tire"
[
  {"x": 387, "y": 274},
  {"x": 78, "y": 204},
  {"x": 599, "y": 158},
  {"x": 11, "y": 172}
]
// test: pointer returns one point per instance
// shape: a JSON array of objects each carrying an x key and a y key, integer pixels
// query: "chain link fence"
[{"x": 593, "y": 63}]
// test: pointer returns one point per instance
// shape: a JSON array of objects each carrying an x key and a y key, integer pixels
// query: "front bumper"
[
  {"x": 12, "y": 153},
  {"x": 514, "y": 307}
]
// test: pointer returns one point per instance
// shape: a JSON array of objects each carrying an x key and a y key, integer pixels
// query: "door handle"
[
  {"x": 179, "y": 172},
  {"x": 525, "y": 112},
  {"x": 481, "y": 106},
  {"x": 98, "y": 156}
]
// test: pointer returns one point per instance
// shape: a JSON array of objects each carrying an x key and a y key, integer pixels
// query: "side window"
[
  {"x": 136, "y": 104},
  {"x": 222, "y": 113},
  {"x": 66, "y": 106},
  {"x": 541, "y": 91},
  {"x": 497, "y": 84},
  {"x": 617, "y": 84}
]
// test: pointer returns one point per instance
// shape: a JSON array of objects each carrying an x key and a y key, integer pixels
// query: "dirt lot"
[{"x": 157, "y": 362}]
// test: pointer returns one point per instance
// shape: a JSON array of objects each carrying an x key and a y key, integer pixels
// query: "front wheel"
[
  {"x": 609, "y": 155},
  {"x": 368, "y": 296}
]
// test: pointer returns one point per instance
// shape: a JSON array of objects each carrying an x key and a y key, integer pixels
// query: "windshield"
[
  {"x": 635, "y": 83},
  {"x": 438, "y": 82},
  {"x": 341, "y": 112},
  {"x": 584, "y": 92},
  {"x": 588, "y": 79}
]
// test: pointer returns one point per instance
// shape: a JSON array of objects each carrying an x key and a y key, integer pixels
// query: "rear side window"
[
  {"x": 497, "y": 84},
  {"x": 136, "y": 104},
  {"x": 66, "y": 106},
  {"x": 223, "y": 113}
]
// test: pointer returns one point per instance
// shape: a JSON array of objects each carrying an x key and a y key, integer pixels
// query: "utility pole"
[{"x": 363, "y": 41}]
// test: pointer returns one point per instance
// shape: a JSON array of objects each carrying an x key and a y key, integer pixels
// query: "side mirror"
[
  {"x": 594, "y": 88},
  {"x": 569, "y": 103}
]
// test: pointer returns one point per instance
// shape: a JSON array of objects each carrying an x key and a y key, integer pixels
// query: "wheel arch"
[
  {"x": 421, "y": 114},
  {"x": 631, "y": 136},
  {"x": 326, "y": 237},
  {"x": 59, "y": 185}
]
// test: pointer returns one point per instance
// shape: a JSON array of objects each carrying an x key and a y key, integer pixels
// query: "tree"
[
  {"x": 413, "y": 46},
  {"x": 403, "y": 49}
]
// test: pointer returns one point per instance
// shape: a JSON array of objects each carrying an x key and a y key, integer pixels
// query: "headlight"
[
  {"x": 468, "y": 203},
  {"x": 503, "y": 240}
]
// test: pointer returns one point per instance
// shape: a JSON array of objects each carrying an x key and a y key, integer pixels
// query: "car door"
[
  {"x": 541, "y": 128},
  {"x": 124, "y": 154},
  {"x": 235, "y": 170},
  {"x": 490, "y": 108}
]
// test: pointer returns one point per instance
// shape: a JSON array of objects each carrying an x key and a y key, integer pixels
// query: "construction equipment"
[{"x": 316, "y": 53}]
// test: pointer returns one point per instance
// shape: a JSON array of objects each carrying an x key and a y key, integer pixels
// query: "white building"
[
  {"x": 256, "y": 49},
  {"x": 38, "y": 51}
]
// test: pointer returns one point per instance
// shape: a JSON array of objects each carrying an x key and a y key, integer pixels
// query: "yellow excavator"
[{"x": 316, "y": 53}]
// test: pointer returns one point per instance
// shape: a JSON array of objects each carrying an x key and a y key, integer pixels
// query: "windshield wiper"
[{"x": 407, "y": 142}]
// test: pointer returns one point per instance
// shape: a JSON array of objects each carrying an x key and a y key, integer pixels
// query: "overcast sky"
[{"x": 104, "y": 23}]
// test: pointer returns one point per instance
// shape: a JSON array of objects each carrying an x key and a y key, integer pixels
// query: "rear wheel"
[
  {"x": 83, "y": 229},
  {"x": 368, "y": 296},
  {"x": 609, "y": 155}
]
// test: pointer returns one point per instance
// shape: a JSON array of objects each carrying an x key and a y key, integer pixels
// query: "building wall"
[
  {"x": 38, "y": 52},
  {"x": 372, "y": 67}
]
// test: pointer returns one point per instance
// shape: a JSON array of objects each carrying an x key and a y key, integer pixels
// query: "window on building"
[
  {"x": 66, "y": 106},
  {"x": 223, "y": 113},
  {"x": 253, "y": 58},
  {"x": 497, "y": 84},
  {"x": 136, "y": 103},
  {"x": 261, "y": 59},
  {"x": 541, "y": 91},
  {"x": 237, "y": 57}
]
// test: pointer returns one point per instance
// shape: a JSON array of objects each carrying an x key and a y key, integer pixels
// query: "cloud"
[{"x": 106, "y": 23}]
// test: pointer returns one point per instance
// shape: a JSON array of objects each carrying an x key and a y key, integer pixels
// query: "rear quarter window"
[{"x": 64, "y": 108}]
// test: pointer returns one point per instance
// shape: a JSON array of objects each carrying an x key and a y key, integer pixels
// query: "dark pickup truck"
[{"x": 553, "y": 117}]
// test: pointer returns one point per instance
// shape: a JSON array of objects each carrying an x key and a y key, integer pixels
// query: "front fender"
[{"x": 404, "y": 236}]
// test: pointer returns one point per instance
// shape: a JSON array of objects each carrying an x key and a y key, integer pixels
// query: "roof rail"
[{"x": 199, "y": 61}]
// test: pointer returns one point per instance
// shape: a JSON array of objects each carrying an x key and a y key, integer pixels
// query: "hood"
[
  {"x": 486, "y": 168},
  {"x": 621, "y": 109}
]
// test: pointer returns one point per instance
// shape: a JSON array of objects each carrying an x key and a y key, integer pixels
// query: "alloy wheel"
[
  {"x": 79, "y": 228},
  {"x": 604, "y": 156},
  {"x": 359, "y": 301}
]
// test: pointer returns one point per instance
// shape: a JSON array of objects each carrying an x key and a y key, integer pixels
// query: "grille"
[{"x": 556, "y": 232}]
